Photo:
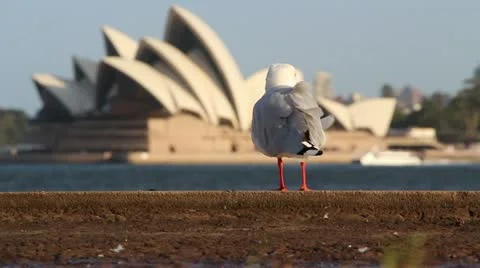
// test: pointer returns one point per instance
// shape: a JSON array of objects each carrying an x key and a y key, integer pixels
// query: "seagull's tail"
[{"x": 309, "y": 150}]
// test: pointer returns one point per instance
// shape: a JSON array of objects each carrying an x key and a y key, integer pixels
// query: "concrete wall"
[
  {"x": 187, "y": 134},
  {"x": 184, "y": 133}
]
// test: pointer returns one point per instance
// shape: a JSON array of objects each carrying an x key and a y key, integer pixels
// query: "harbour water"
[{"x": 123, "y": 177}]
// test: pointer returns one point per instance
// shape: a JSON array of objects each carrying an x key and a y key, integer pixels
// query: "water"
[
  {"x": 120, "y": 177},
  {"x": 117, "y": 177}
]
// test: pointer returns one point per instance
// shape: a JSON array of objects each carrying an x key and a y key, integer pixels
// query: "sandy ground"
[{"x": 180, "y": 228}]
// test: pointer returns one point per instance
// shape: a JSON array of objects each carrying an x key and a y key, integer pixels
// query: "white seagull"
[{"x": 287, "y": 121}]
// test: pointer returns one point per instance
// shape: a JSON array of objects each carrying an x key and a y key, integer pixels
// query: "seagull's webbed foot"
[{"x": 304, "y": 188}]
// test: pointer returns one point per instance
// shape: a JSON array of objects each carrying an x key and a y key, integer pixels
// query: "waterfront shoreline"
[{"x": 141, "y": 158}]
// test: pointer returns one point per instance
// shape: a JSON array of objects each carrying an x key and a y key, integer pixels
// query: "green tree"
[
  {"x": 441, "y": 99},
  {"x": 475, "y": 79},
  {"x": 13, "y": 126},
  {"x": 457, "y": 118},
  {"x": 466, "y": 105},
  {"x": 433, "y": 114}
]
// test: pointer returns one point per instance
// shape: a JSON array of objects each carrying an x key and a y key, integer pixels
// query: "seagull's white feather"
[{"x": 287, "y": 116}]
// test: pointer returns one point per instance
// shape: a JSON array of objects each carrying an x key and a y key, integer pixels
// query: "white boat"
[
  {"x": 389, "y": 158},
  {"x": 438, "y": 162}
]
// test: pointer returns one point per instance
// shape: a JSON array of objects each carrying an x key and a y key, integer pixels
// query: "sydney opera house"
[{"x": 180, "y": 94}]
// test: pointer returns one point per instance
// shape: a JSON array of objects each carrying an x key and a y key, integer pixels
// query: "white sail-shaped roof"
[
  {"x": 255, "y": 86},
  {"x": 69, "y": 93},
  {"x": 118, "y": 43},
  {"x": 374, "y": 114},
  {"x": 339, "y": 110},
  {"x": 183, "y": 99},
  {"x": 207, "y": 92},
  {"x": 147, "y": 77},
  {"x": 199, "y": 58},
  {"x": 219, "y": 56}
]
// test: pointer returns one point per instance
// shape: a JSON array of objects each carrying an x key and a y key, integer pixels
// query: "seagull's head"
[{"x": 281, "y": 75}]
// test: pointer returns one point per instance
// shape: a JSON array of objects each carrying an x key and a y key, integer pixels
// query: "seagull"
[{"x": 287, "y": 121}]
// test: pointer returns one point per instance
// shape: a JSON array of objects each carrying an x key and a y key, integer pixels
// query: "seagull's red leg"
[
  {"x": 280, "y": 173},
  {"x": 304, "y": 187}
]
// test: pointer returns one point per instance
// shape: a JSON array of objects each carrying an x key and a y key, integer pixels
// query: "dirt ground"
[{"x": 279, "y": 229}]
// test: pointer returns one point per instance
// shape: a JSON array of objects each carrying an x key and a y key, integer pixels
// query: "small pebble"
[{"x": 363, "y": 249}]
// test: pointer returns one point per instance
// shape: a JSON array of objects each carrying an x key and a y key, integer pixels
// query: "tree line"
[
  {"x": 456, "y": 118},
  {"x": 13, "y": 126}
]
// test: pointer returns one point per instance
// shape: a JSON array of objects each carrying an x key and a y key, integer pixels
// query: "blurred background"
[{"x": 154, "y": 85}]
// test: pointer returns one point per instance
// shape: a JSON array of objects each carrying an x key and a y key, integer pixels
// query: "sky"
[{"x": 430, "y": 44}]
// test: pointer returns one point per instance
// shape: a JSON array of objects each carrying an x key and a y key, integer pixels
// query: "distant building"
[
  {"x": 410, "y": 99},
  {"x": 322, "y": 84}
]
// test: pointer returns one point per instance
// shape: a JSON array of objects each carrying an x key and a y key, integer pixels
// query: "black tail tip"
[{"x": 310, "y": 152}]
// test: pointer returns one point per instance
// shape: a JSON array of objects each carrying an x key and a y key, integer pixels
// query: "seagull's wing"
[
  {"x": 269, "y": 122},
  {"x": 308, "y": 115},
  {"x": 277, "y": 106},
  {"x": 327, "y": 121}
]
